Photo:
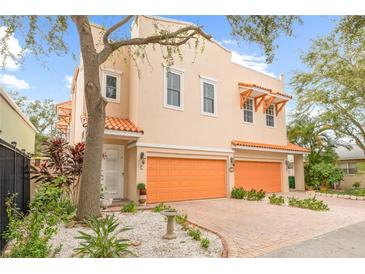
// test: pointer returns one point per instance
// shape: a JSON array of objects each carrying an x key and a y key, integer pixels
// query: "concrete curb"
[{"x": 339, "y": 196}]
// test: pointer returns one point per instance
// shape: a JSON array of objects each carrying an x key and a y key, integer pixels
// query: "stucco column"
[
  {"x": 230, "y": 177},
  {"x": 284, "y": 182},
  {"x": 299, "y": 172}
]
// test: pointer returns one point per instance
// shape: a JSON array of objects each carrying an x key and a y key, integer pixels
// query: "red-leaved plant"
[{"x": 64, "y": 161}]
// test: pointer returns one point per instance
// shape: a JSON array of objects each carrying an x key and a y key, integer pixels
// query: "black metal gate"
[{"x": 14, "y": 178}]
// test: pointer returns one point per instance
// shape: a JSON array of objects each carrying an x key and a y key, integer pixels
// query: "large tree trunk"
[{"x": 89, "y": 195}]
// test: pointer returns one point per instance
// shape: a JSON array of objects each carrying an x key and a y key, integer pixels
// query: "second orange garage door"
[
  {"x": 258, "y": 175},
  {"x": 176, "y": 179}
]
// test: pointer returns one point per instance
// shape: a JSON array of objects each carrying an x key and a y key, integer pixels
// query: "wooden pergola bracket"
[
  {"x": 279, "y": 106},
  {"x": 244, "y": 95},
  {"x": 267, "y": 103},
  {"x": 259, "y": 100}
]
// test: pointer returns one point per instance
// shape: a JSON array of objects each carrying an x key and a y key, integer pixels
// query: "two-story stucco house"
[{"x": 191, "y": 131}]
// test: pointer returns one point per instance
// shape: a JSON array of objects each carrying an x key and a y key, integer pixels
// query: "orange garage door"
[
  {"x": 175, "y": 179},
  {"x": 258, "y": 175}
]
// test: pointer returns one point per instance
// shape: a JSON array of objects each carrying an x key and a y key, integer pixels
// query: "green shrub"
[
  {"x": 254, "y": 195},
  {"x": 141, "y": 186},
  {"x": 276, "y": 200},
  {"x": 204, "y": 243},
  {"x": 238, "y": 193},
  {"x": 29, "y": 235},
  {"x": 323, "y": 174},
  {"x": 309, "y": 203},
  {"x": 194, "y": 233},
  {"x": 161, "y": 207},
  {"x": 356, "y": 185},
  {"x": 130, "y": 207},
  {"x": 51, "y": 201},
  {"x": 183, "y": 221},
  {"x": 103, "y": 242}
]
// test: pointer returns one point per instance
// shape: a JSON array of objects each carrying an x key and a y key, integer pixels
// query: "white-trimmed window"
[
  {"x": 248, "y": 111},
  {"x": 208, "y": 97},
  {"x": 270, "y": 116},
  {"x": 174, "y": 95},
  {"x": 111, "y": 86},
  {"x": 349, "y": 168}
]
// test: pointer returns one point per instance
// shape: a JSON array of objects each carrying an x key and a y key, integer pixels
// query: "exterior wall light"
[
  {"x": 231, "y": 164},
  {"x": 142, "y": 158}
]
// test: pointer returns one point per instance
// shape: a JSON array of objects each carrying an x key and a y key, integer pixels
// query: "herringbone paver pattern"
[{"x": 252, "y": 229}]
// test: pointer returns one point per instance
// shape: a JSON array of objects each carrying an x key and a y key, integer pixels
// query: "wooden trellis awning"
[
  {"x": 262, "y": 96},
  {"x": 64, "y": 116}
]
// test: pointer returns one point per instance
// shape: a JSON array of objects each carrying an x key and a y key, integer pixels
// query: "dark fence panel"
[{"x": 14, "y": 178}]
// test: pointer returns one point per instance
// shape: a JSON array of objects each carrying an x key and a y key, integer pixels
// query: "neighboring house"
[
  {"x": 352, "y": 162},
  {"x": 191, "y": 131},
  {"x": 14, "y": 125}
]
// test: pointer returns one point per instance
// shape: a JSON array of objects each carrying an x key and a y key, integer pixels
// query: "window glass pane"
[
  {"x": 352, "y": 168},
  {"x": 208, "y": 90},
  {"x": 248, "y": 111},
  {"x": 169, "y": 97},
  {"x": 176, "y": 98},
  {"x": 270, "y": 121},
  {"x": 173, "y": 81},
  {"x": 173, "y": 89},
  {"x": 208, "y": 105},
  {"x": 111, "y": 87},
  {"x": 343, "y": 166},
  {"x": 208, "y": 98}
]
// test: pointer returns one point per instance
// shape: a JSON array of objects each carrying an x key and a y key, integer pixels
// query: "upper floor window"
[
  {"x": 270, "y": 116},
  {"x": 173, "y": 89},
  {"x": 208, "y": 97},
  {"x": 248, "y": 111},
  {"x": 111, "y": 86}
]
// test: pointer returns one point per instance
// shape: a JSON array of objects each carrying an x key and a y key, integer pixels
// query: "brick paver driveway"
[{"x": 253, "y": 229}]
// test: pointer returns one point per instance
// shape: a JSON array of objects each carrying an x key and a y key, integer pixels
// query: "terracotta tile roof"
[
  {"x": 115, "y": 123},
  {"x": 266, "y": 89},
  {"x": 289, "y": 147}
]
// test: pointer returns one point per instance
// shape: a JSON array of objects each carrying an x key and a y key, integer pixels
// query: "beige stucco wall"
[
  {"x": 189, "y": 127},
  {"x": 299, "y": 172},
  {"x": 142, "y": 96},
  {"x": 14, "y": 128},
  {"x": 348, "y": 180}
]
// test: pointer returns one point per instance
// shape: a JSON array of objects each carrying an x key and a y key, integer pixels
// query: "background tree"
[
  {"x": 313, "y": 134},
  {"x": 42, "y": 114},
  {"x": 43, "y": 35},
  {"x": 334, "y": 85}
]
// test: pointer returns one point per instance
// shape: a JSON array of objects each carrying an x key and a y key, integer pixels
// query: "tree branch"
[
  {"x": 115, "y": 27},
  {"x": 162, "y": 39}
]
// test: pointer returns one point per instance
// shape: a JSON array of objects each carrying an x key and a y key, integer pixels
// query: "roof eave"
[{"x": 286, "y": 151}]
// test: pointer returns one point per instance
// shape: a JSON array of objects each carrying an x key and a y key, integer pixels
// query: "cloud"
[
  {"x": 11, "y": 81},
  {"x": 14, "y": 48},
  {"x": 254, "y": 62},
  {"x": 68, "y": 80},
  {"x": 229, "y": 42}
]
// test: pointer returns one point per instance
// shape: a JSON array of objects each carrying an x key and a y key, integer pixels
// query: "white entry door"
[{"x": 113, "y": 171}]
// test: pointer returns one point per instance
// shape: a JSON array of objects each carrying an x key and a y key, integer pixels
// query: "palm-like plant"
[
  {"x": 315, "y": 136},
  {"x": 62, "y": 160},
  {"x": 103, "y": 243}
]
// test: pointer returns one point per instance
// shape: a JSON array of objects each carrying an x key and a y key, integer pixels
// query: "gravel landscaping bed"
[{"x": 146, "y": 237}]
